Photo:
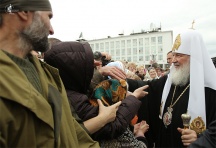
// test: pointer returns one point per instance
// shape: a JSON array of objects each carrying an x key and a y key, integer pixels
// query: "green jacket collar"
[{"x": 16, "y": 87}]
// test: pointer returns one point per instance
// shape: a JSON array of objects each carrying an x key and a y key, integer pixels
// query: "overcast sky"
[{"x": 101, "y": 18}]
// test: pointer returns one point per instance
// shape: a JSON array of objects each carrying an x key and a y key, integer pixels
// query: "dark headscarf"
[{"x": 75, "y": 63}]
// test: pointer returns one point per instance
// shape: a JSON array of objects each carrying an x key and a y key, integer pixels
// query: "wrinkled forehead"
[{"x": 186, "y": 42}]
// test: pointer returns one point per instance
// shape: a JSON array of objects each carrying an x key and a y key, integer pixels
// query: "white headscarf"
[
  {"x": 119, "y": 65},
  {"x": 202, "y": 72}
]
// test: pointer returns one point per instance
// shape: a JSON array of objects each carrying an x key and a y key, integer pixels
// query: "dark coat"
[
  {"x": 150, "y": 109},
  {"x": 75, "y": 63}
]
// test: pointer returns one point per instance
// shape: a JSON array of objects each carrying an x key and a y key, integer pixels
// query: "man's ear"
[{"x": 24, "y": 15}]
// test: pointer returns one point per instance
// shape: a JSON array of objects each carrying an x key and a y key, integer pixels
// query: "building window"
[
  {"x": 134, "y": 42},
  {"x": 146, "y": 41},
  {"x": 129, "y": 59},
  {"x": 153, "y": 50},
  {"x": 147, "y": 51},
  {"x": 107, "y": 45},
  {"x": 117, "y": 52},
  {"x": 122, "y": 51},
  {"x": 111, "y": 45},
  {"x": 117, "y": 44},
  {"x": 97, "y": 46},
  {"x": 160, "y": 49},
  {"x": 117, "y": 58},
  {"x": 160, "y": 57},
  {"x": 160, "y": 40},
  {"x": 123, "y": 43},
  {"x": 153, "y": 40},
  {"x": 135, "y": 59},
  {"x": 134, "y": 51},
  {"x": 141, "y": 50},
  {"x": 101, "y": 46},
  {"x": 140, "y": 58},
  {"x": 129, "y": 51},
  {"x": 112, "y": 52},
  {"x": 140, "y": 42},
  {"x": 147, "y": 58},
  {"x": 107, "y": 50},
  {"x": 128, "y": 43}
]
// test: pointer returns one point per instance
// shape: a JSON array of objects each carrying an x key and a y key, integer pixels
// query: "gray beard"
[
  {"x": 181, "y": 76},
  {"x": 35, "y": 37}
]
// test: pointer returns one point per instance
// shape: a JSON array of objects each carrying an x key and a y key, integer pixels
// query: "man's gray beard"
[
  {"x": 35, "y": 37},
  {"x": 181, "y": 76}
]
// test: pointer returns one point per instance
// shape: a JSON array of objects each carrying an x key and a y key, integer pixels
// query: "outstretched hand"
[
  {"x": 107, "y": 114},
  {"x": 140, "y": 128},
  {"x": 188, "y": 136},
  {"x": 113, "y": 72},
  {"x": 140, "y": 93}
]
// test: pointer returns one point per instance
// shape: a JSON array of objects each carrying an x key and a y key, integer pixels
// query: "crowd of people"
[
  {"x": 133, "y": 70},
  {"x": 60, "y": 94}
]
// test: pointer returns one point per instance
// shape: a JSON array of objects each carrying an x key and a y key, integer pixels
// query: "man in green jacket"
[{"x": 34, "y": 111}]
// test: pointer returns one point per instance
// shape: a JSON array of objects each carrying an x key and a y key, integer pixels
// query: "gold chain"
[{"x": 171, "y": 105}]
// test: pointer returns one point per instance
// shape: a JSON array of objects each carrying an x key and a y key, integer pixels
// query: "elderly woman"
[
  {"x": 152, "y": 74},
  {"x": 75, "y": 62}
]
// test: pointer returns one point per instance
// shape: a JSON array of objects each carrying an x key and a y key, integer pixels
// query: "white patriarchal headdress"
[{"x": 202, "y": 72}]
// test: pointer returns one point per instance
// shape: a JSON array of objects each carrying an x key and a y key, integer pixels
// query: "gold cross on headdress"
[{"x": 192, "y": 27}]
